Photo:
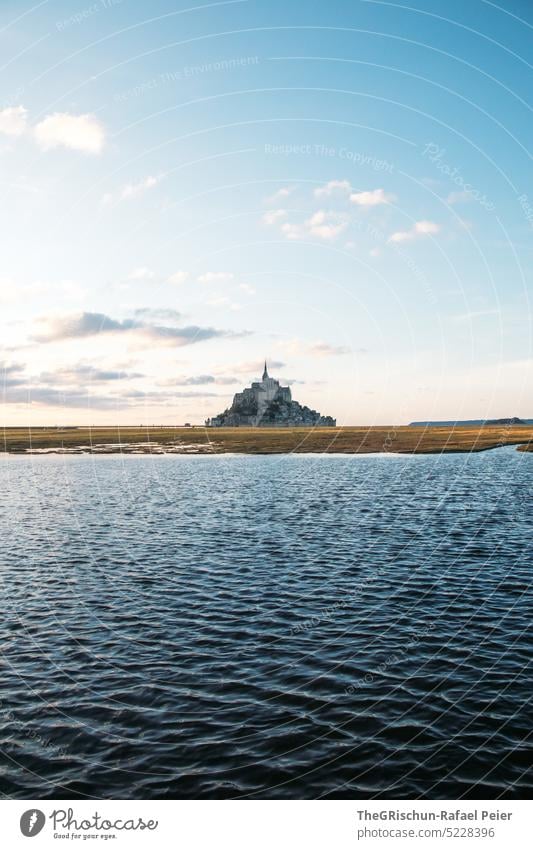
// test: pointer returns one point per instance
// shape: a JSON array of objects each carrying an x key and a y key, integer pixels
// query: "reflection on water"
[{"x": 273, "y": 627}]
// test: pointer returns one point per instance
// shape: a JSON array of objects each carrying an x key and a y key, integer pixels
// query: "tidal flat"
[{"x": 285, "y": 440}]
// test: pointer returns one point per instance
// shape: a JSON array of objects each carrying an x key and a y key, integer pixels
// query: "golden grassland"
[{"x": 201, "y": 440}]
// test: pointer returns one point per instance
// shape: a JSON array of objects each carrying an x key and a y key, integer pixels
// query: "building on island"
[{"x": 267, "y": 404}]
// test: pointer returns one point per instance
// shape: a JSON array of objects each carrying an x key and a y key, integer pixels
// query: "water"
[{"x": 266, "y": 627}]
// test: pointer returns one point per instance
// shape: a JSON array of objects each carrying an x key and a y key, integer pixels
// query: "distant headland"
[{"x": 512, "y": 420}]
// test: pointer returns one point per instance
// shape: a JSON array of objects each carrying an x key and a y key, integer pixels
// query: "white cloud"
[
  {"x": 247, "y": 288},
  {"x": 334, "y": 187},
  {"x": 274, "y": 216},
  {"x": 281, "y": 194},
  {"x": 76, "y": 132},
  {"x": 178, "y": 277},
  {"x": 373, "y": 198},
  {"x": 223, "y": 302},
  {"x": 142, "y": 273},
  {"x": 459, "y": 197},
  {"x": 132, "y": 190},
  {"x": 326, "y": 225},
  {"x": 215, "y": 277},
  {"x": 322, "y": 224},
  {"x": 322, "y": 349},
  {"x": 426, "y": 227},
  {"x": 13, "y": 121},
  {"x": 292, "y": 231},
  {"x": 421, "y": 228}
]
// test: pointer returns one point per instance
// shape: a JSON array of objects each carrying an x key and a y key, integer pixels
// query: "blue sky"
[{"x": 344, "y": 188}]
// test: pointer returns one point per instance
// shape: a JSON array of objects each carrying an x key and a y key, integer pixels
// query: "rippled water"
[{"x": 272, "y": 627}]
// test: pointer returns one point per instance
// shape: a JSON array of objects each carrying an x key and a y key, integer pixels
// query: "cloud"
[
  {"x": 132, "y": 190},
  {"x": 200, "y": 380},
  {"x": 421, "y": 228},
  {"x": 298, "y": 348},
  {"x": 459, "y": 197},
  {"x": 373, "y": 198},
  {"x": 322, "y": 224},
  {"x": 274, "y": 216},
  {"x": 326, "y": 225},
  {"x": 247, "y": 288},
  {"x": 470, "y": 316},
  {"x": 164, "y": 314},
  {"x": 178, "y": 277},
  {"x": 82, "y": 374},
  {"x": 75, "y": 398},
  {"x": 11, "y": 374},
  {"x": 84, "y": 133},
  {"x": 215, "y": 277},
  {"x": 281, "y": 194},
  {"x": 292, "y": 231},
  {"x": 223, "y": 302},
  {"x": 322, "y": 349},
  {"x": 88, "y": 324},
  {"x": 13, "y": 121},
  {"x": 334, "y": 187}
]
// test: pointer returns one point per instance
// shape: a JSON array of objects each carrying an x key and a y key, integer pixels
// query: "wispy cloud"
[
  {"x": 323, "y": 224},
  {"x": 48, "y": 396},
  {"x": 215, "y": 277},
  {"x": 223, "y": 301},
  {"x": 323, "y": 349},
  {"x": 274, "y": 216},
  {"x": 326, "y": 225},
  {"x": 199, "y": 380},
  {"x": 132, "y": 190},
  {"x": 83, "y": 374},
  {"x": 13, "y": 121},
  {"x": 334, "y": 187},
  {"x": 421, "y": 228},
  {"x": 88, "y": 324},
  {"x": 281, "y": 194},
  {"x": 459, "y": 197},
  {"x": 471, "y": 316},
  {"x": 297, "y": 347}
]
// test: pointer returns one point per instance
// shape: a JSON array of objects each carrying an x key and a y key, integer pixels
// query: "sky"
[{"x": 342, "y": 188}]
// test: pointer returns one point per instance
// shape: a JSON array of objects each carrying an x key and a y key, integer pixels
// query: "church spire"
[{"x": 265, "y": 373}]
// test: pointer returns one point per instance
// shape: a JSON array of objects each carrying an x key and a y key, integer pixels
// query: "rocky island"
[{"x": 268, "y": 404}]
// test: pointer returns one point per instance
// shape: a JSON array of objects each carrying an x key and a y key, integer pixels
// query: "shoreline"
[{"x": 201, "y": 441}]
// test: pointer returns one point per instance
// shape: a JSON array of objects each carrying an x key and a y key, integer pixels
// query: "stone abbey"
[{"x": 268, "y": 404}]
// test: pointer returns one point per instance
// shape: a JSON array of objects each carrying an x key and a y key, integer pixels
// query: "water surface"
[{"x": 266, "y": 627}]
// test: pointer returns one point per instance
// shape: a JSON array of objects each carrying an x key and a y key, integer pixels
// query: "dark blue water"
[{"x": 267, "y": 627}]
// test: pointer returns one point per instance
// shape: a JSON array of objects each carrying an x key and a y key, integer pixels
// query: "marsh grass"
[{"x": 201, "y": 440}]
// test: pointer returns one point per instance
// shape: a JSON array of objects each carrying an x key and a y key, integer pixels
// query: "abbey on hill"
[{"x": 267, "y": 404}]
